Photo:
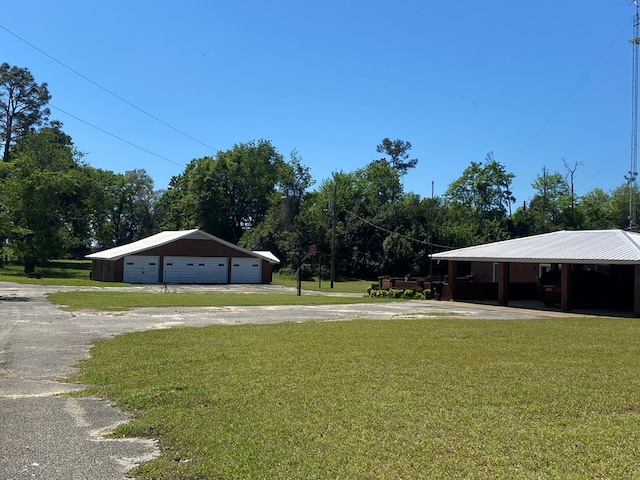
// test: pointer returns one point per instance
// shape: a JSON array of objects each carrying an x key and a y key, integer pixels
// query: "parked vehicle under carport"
[{"x": 589, "y": 287}]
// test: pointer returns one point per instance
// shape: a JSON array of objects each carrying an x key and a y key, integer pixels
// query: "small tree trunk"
[
  {"x": 7, "y": 136},
  {"x": 29, "y": 266}
]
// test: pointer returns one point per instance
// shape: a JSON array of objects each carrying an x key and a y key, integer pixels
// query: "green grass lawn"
[
  {"x": 438, "y": 398},
  {"x": 342, "y": 286},
  {"x": 76, "y": 273},
  {"x": 115, "y": 301},
  {"x": 55, "y": 272}
]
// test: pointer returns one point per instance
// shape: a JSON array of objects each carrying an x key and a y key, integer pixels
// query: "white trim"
[{"x": 163, "y": 238}]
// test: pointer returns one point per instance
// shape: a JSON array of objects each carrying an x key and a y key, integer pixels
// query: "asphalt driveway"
[{"x": 45, "y": 436}]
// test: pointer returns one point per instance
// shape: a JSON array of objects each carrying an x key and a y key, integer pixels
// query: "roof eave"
[
  {"x": 576, "y": 261},
  {"x": 186, "y": 234}
]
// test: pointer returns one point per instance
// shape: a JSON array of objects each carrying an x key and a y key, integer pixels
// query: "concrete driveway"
[{"x": 45, "y": 436}]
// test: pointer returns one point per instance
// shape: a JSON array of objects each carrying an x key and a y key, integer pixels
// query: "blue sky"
[{"x": 532, "y": 82}]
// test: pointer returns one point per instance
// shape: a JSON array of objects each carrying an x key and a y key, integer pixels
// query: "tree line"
[{"x": 53, "y": 204}]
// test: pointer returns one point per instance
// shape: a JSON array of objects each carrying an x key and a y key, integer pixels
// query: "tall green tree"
[
  {"x": 39, "y": 185},
  {"x": 380, "y": 229},
  {"x": 285, "y": 229},
  {"x": 398, "y": 153},
  {"x": 550, "y": 208},
  {"x": 620, "y": 204},
  {"x": 123, "y": 207},
  {"x": 22, "y": 105},
  {"x": 596, "y": 210},
  {"x": 479, "y": 203},
  {"x": 225, "y": 195},
  {"x": 363, "y": 198},
  {"x": 411, "y": 225},
  {"x": 294, "y": 184},
  {"x": 59, "y": 207}
]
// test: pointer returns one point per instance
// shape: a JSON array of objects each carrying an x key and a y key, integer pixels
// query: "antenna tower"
[{"x": 633, "y": 172}]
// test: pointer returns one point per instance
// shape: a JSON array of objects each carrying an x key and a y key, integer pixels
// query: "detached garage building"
[{"x": 184, "y": 256}]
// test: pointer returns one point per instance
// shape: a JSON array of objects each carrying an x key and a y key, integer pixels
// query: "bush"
[
  {"x": 306, "y": 273},
  {"x": 408, "y": 293},
  {"x": 325, "y": 272}
]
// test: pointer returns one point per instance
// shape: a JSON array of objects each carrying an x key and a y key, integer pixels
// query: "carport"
[{"x": 567, "y": 248}]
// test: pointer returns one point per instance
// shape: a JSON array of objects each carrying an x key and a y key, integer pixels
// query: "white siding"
[
  {"x": 246, "y": 270},
  {"x": 196, "y": 270},
  {"x": 141, "y": 269}
]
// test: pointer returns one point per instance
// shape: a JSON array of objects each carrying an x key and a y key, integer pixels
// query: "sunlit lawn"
[
  {"x": 116, "y": 300},
  {"x": 339, "y": 286},
  {"x": 438, "y": 398},
  {"x": 76, "y": 273},
  {"x": 54, "y": 272}
]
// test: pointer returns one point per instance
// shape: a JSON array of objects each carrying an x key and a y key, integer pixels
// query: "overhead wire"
[
  {"x": 406, "y": 237},
  {"x": 115, "y": 95},
  {"x": 166, "y": 124},
  {"x": 567, "y": 98},
  {"x": 117, "y": 137}
]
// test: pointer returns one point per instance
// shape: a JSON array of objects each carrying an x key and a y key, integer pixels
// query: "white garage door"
[
  {"x": 196, "y": 270},
  {"x": 140, "y": 269},
  {"x": 246, "y": 270}
]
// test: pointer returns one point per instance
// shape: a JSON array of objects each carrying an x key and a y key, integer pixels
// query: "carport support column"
[
  {"x": 453, "y": 278},
  {"x": 566, "y": 288},
  {"x": 636, "y": 291},
  {"x": 503, "y": 283}
]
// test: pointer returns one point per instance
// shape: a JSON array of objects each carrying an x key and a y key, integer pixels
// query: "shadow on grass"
[{"x": 52, "y": 269}]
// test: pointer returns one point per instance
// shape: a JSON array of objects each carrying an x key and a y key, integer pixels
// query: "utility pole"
[
  {"x": 332, "y": 209},
  {"x": 431, "y": 220},
  {"x": 633, "y": 172}
]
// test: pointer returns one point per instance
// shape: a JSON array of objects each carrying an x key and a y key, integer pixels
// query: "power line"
[
  {"x": 424, "y": 242},
  {"x": 107, "y": 90},
  {"x": 567, "y": 98},
  {"x": 118, "y": 138}
]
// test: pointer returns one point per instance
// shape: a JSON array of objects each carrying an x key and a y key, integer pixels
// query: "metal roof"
[
  {"x": 267, "y": 254},
  {"x": 579, "y": 246},
  {"x": 163, "y": 238}
]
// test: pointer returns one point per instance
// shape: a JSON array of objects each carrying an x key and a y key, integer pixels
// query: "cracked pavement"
[{"x": 47, "y": 436}]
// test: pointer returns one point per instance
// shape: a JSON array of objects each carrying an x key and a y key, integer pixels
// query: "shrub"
[
  {"x": 306, "y": 273},
  {"x": 408, "y": 293}
]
